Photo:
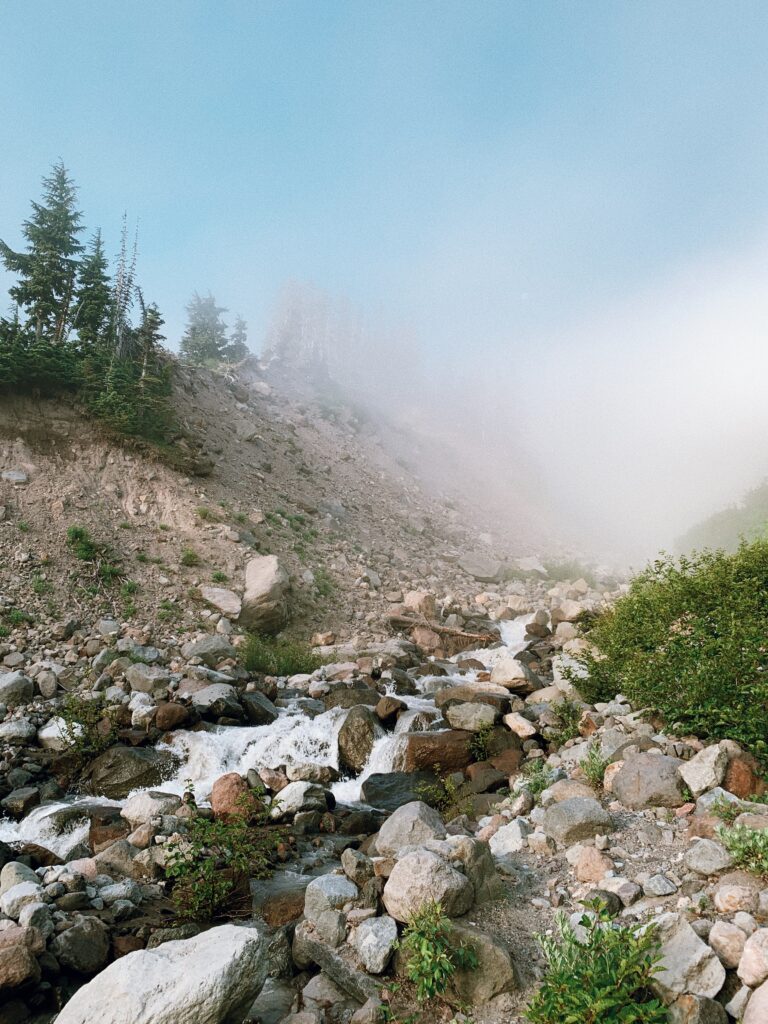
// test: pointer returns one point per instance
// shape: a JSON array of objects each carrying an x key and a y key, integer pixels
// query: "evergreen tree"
[
  {"x": 205, "y": 339},
  {"x": 237, "y": 349},
  {"x": 123, "y": 292},
  {"x": 93, "y": 298},
  {"x": 47, "y": 270}
]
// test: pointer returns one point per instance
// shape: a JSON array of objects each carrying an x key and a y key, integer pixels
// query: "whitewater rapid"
[{"x": 294, "y": 738}]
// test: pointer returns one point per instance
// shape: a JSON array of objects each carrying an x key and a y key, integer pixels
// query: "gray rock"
[
  {"x": 84, "y": 947},
  {"x": 328, "y": 892},
  {"x": 707, "y": 857},
  {"x": 356, "y": 738},
  {"x": 265, "y": 601},
  {"x": 210, "y": 650},
  {"x": 697, "y": 1010},
  {"x": 423, "y": 877},
  {"x": 471, "y": 716},
  {"x": 410, "y": 825},
  {"x": 357, "y": 867},
  {"x": 375, "y": 940},
  {"x": 15, "y": 689},
  {"x": 14, "y": 872},
  {"x": 17, "y": 732},
  {"x": 659, "y": 885},
  {"x": 297, "y": 797},
  {"x": 147, "y": 678},
  {"x": 208, "y": 979},
  {"x": 577, "y": 818},
  {"x": 121, "y": 769},
  {"x": 688, "y": 965},
  {"x": 495, "y": 971},
  {"x": 705, "y": 770},
  {"x": 18, "y": 896},
  {"x": 649, "y": 780},
  {"x": 259, "y": 710},
  {"x": 308, "y": 949}
]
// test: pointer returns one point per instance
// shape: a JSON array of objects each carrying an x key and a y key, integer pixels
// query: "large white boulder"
[
  {"x": 208, "y": 979},
  {"x": 265, "y": 604}
]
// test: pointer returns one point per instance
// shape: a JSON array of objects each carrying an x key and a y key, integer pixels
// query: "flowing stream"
[{"x": 293, "y": 738}]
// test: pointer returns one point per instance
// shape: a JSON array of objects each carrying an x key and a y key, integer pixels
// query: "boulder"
[
  {"x": 474, "y": 717},
  {"x": 728, "y": 942},
  {"x": 374, "y": 941},
  {"x": 259, "y": 710},
  {"x": 707, "y": 857},
  {"x": 231, "y": 797},
  {"x": 356, "y": 738},
  {"x": 450, "y": 749},
  {"x": 208, "y": 979},
  {"x": 697, "y": 1010},
  {"x": 225, "y": 601},
  {"x": 423, "y": 877},
  {"x": 390, "y": 790},
  {"x": 757, "y": 1007},
  {"x": 649, "y": 780},
  {"x": 15, "y": 689},
  {"x": 495, "y": 971},
  {"x": 210, "y": 650},
  {"x": 688, "y": 965},
  {"x": 18, "y": 963},
  {"x": 298, "y": 796},
  {"x": 119, "y": 770},
  {"x": 147, "y": 678},
  {"x": 509, "y": 673},
  {"x": 753, "y": 964},
  {"x": 265, "y": 601},
  {"x": 705, "y": 770},
  {"x": 84, "y": 947},
  {"x": 328, "y": 892},
  {"x": 308, "y": 948},
  {"x": 149, "y": 804},
  {"x": 481, "y": 568},
  {"x": 576, "y": 818},
  {"x": 410, "y": 825}
]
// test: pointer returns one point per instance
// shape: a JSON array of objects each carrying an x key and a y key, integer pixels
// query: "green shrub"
[
  {"x": 432, "y": 957},
  {"x": 211, "y": 866},
  {"x": 190, "y": 557},
  {"x": 41, "y": 586},
  {"x": 688, "y": 641},
  {"x": 17, "y": 617},
  {"x": 537, "y": 776},
  {"x": 101, "y": 557},
  {"x": 747, "y": 846},
  {"x": 324, "y": 584},
  {"x": 278, "y": 656},
  {"x": 593, "y": 766},
  {"x": 568, "y": 571},
  {"x": 605, "y": 978},
  {"x": 478, "y": 744},
  {"x": 569, "y": 714},
  {"x": 219, "y": 577},
  {"x": 445, "y": 795}
]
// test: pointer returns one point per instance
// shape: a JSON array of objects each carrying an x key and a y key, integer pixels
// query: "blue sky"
[{"x": 485, "y": 173}]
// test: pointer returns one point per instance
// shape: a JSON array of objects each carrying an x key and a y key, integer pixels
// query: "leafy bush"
[
  {"x": 569, "y": 570},
  {"x": 748, "y": 520},
  {"x": 106, "y": 565},
  {"x": 445, "y": 795},
  {"x": 604, "y": 978},
  {"x": 190, "y": 557},
  {"x": 747, "y": 846},
  {"x": 593, "y": 766},
  {"x": 219, "y": 577},
  {"x": 538, "y": 776},
  {"x": 688, "y": 641},
  {"x": 432, "y": 957},
  {"x": 478, "y": 744},
  {"x": 569, "y": 714},
  {"x": 278, "y": 656},
  {"x": 211, "y": 865}
]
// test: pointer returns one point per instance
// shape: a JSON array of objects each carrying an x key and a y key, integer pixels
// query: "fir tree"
[
  {"x": 47, "y": 270},
  {"x": 205, "y": 339},
  {"x": 123, "y": 292},
  {"x": 93, "y": 298},
  {"x": 237, "y": 349}
]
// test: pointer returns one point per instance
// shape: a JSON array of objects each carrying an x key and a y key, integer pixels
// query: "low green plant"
[
  {"x": 569, "y": 570},
  {"x": 478, "y": 744},
  {"x": 129, "y": 588},
  {"x": 444, "y": 794},
  {"x": 278, "y": 656},
  {"x": 23, "y": 527},
  {"x": 537, "y": 776},
  {"x": 125, "y": 526},
  {"x": 167, "y": 611},
  {"x": 211, "y": 865},
  {"x": 324, "y": 584},
  {"x": 219, "y": 577},
  {"x": 433, "y": 955},
  {"x": 593, "y": 765},
  {"x": 189, "y": 557},
  {"x": 688, "y": 641},
  {"x": 726, "y": 810},
  {"x": 569, "y": 714},
  {"x": 41, "y": 586},
  {"x": 603, "y": 976},
  {"x": 747, "y": 846},
  {"x": 89, "y": 729},
  {"x": 206, "y": 514},
  {"x": 17, "y": 617},
  {"x": 101, "y": 557}
]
